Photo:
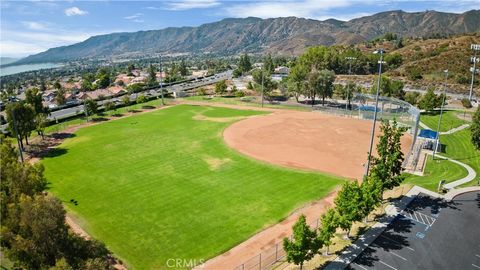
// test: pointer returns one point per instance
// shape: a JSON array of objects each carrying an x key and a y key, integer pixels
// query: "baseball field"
[{"x": 164, "y": 185}]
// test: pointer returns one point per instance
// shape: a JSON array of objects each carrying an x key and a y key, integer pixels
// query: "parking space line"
[
  {"x": 360, "y": 266},
  {"x": 477, "y": 255},
  {"x": 388, "y": 238},
  {"x": 390, "y": 265},
  {"x": 474, "y": 265},
  {"x": 398, "y": 256}
]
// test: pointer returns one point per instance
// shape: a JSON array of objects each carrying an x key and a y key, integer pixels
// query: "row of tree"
[{"x": 354, "y": 201}]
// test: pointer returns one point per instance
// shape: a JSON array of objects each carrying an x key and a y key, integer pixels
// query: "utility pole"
[
  {"x": 17, "y": 136},
  {"x": 441, "y": 113},
  {"x": 161, "y": 80},
  {"x": 262, "y": 86},
  {"x": 350, "y": 59},
  {"x": 381, "y": 52},
  {"x": 474, "y": 59}
]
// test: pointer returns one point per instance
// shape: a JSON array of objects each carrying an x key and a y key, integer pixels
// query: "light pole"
[
  {"x": 85, "y": 108},
  {"x": 381, "y": 52},
  {"x": 161, "y": 80},
  {"x": 350, "y": 59},
  {"x": 262, "y": 85},
  {"x": 475, "y": 48},
  {"x": 441, "y": 113}
]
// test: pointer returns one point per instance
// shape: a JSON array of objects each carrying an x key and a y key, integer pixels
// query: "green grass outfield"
[
  {"x": 449, "y": 120},
  {"x": 163, "y": 185}
]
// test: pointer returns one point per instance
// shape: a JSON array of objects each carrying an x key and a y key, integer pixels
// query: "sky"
[{"x": 29, "y": 27}]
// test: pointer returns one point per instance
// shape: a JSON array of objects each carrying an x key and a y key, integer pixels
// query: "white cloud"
[
  {"x": 35, "y": 25},
  {"x": 191, "y": 4},
  {"x": 134, "y": 16},
  {"x": 152, "y": 8},
  {"x": 271, "y": 9},
  {"x": 75, "y": 11}
]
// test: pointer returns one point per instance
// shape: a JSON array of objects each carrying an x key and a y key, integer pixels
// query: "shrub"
[
  {"x": 466, "y": 103},
  {"x": 239, "y": 94}
]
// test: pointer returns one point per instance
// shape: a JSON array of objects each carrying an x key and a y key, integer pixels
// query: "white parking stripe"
[
  {"x": 360, "y": 266},
  {"x": 381, "y": 235},
  {"x": 474, "y": 265},
  {"x": 477, "y": 255},
  {"x": 389, "y": 265},
  {"x": 398, "y": 256}
]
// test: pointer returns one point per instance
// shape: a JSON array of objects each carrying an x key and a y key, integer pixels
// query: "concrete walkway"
[
  {"x": 470, "y": 177},
  {"x": 392, "y": 210},
  {"x": 453, "y": 130}
]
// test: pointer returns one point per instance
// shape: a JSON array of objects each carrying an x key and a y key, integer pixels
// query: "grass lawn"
[
  {"x": 449, "y": 120},
  {"x": 436, "y": 170},
  {"x": 460, "y": 147},
  {"x": 164, "y": 185}
]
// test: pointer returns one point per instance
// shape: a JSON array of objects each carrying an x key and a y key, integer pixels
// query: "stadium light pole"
[
  {"x": 381, "y": 52},
  {"x": 161, "y": 80},
  {"x": 350, "y": 59},
  {"x": 437, "y": 139},
  {"x": 475, "y": 48}
]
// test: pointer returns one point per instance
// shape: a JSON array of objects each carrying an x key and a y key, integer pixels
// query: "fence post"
[
  {"x": 260, "y": 263},
  {"x": 276, "y": 252}
]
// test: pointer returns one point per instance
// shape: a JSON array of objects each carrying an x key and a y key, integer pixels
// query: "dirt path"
[{"x": 267, "y": 238}]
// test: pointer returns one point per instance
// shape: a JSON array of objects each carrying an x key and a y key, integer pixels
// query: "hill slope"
[{"x": 288, "y": 35}]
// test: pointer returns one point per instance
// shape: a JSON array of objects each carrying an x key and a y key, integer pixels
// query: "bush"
[
  {"x": 239, "y": 94},
  {"x": 413, "y": 73},
  {"x": 466, "y": 103},
  {"x": 201, "y": 91},
  {"x": 461, "y": 79}
]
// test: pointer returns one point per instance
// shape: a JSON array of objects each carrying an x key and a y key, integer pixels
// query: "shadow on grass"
[
  {"x": 148, "y": 107},
  {"x": 134, "y": 111},
  {"x": 62, "y": 135},
  {"x": 100, "y": 119},
  {"x": 55, "y": 152},
  {"x": 117, "y": 115}
]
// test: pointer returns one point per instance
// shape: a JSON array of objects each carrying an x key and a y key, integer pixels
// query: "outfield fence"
[{"x": 268, "y": 258}]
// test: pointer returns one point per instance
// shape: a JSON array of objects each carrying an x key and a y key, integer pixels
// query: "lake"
[{"x": 22, "y": 68}]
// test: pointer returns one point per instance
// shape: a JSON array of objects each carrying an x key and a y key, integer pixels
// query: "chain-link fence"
[{"x": 269, "y": 257}]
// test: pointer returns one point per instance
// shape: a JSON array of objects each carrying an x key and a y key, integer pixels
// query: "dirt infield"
[{"x": 307, "y": 140}]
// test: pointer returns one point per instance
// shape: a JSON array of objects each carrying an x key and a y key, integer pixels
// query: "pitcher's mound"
[{"x": 307, "y": 140}]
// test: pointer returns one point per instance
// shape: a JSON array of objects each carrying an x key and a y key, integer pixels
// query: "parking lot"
[{"x": 429, "y": 234}]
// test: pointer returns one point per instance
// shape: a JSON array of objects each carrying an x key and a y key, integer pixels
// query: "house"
[
  {"x": 282, "y": 70},
  {"x": 49, "y": 95},
  {"x": 99, "y": 94},
  {"x": 116, "y": 90},
  {"x": 139, "y": 79}
]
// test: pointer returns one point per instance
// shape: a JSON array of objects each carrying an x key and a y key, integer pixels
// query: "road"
[{"x": 152, "y": 93}]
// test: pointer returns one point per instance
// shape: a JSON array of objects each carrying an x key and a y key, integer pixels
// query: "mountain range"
[{"x": 286, "y": 35}]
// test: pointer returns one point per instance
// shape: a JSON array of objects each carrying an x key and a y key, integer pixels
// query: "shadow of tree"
[
  {"x": 55, "y": 152},
  {"x": 148, "y": 107}
]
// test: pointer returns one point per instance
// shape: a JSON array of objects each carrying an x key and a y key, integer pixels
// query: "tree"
[
  {"x": 152, "y": 76},
  {"x": 244, "y": 64},
  {"x": 221, "y": 87},
  {"x": 466, "y": 103},
  {"x": 130, "y": 68},
  {"x": 109, "y": 106},
  {"x": 126, "y": 100},
  {"x": 347, "y": 92},
  {"x": 390, "y": 88},
  {"x": 43, "y": 85},
  {"x": 33, "y": 97},
  {"x": 24, "y": 119},
  {"x": 348, "y": 205},
  {"x": 371, "y": 192},
  {"x": 41, "y": 122},
  {"x": 141, "y": 99},
  {"x": 268, "y": 64},
  {"x": 103, "y": 78},
  {"x": 57, "y": 85},
  {"x": 261, "y": 76},
  {"x": 430, "y": 101},
  {"x": 60, "y": 97},
  {"x": 304, "y": 244},
  {"x": 296, "y": 84},
  {"x": 387, "y": 165},
  {"x": 475, "y": 129},
  {"x": 91, "y": 106},
  {"x": 320, "y": 83},
  {"x": 183, "y": 68},
  {"x": 412, "y": 97},
  {"x": 329, "y": 223}
]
